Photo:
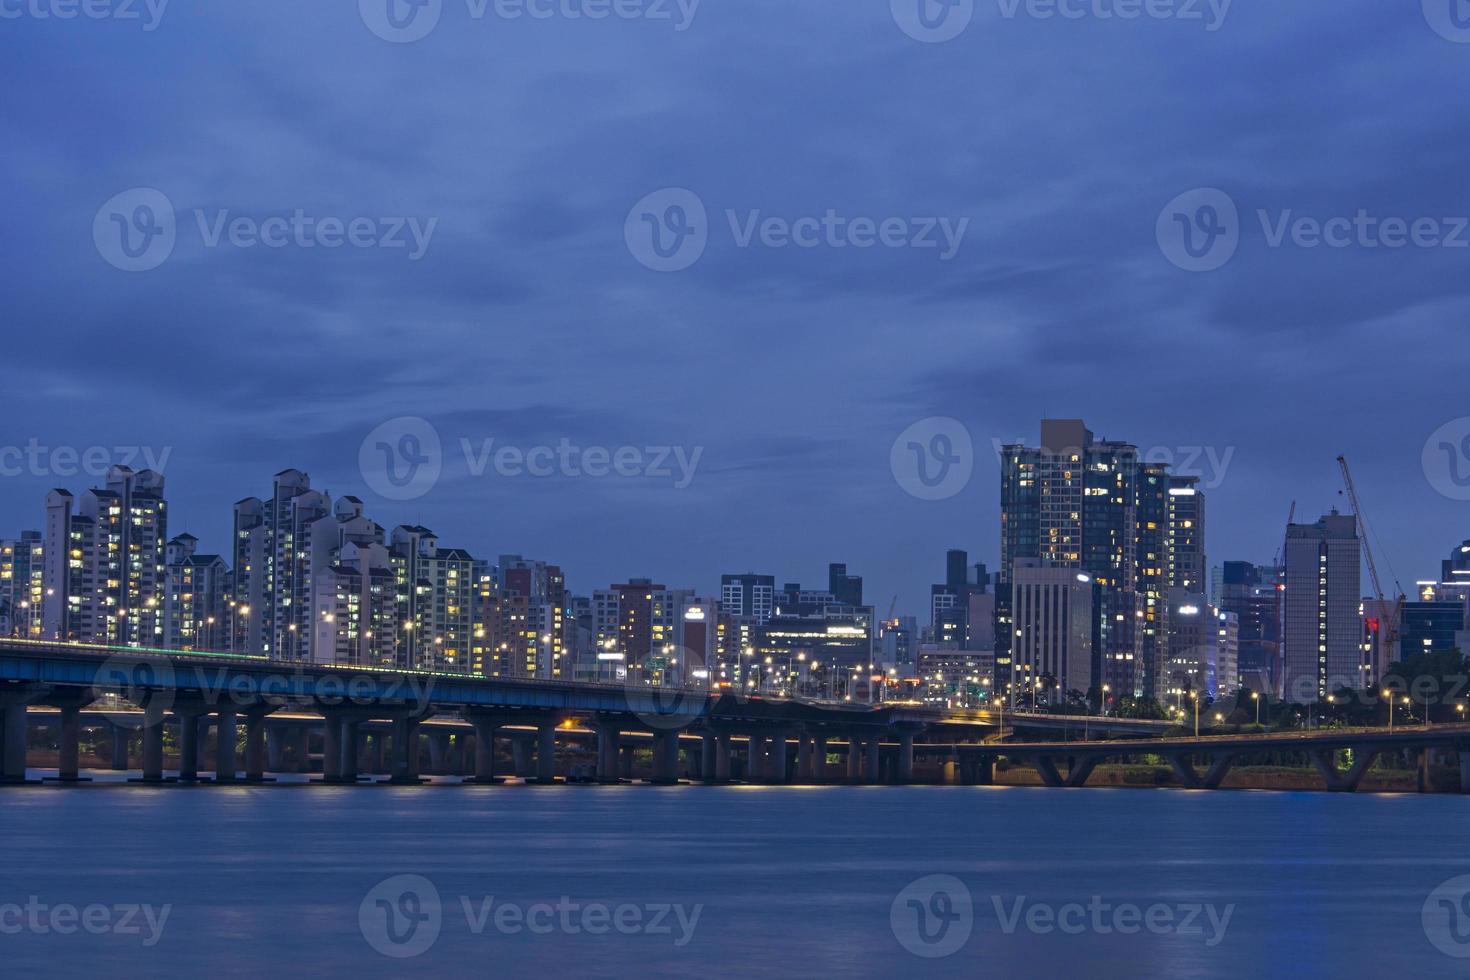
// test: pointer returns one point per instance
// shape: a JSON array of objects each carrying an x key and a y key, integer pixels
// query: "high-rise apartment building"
[
  {"x": 1054, "y": 618},
  {"x": 22, "y": 585},
  {"x": 194, "y": 612},
  {"x": 105, "y": 561}
]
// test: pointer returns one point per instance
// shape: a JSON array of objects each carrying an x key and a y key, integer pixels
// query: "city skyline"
[{"x": 587, "y": 556}]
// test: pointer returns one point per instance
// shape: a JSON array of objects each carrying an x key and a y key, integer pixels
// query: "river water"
[{"x": 513, "y": 880}]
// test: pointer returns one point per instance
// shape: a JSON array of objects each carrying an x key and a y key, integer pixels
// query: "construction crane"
[
  {"x": 1390, "y": 614},
  {"x": 1281, "y": 550}
]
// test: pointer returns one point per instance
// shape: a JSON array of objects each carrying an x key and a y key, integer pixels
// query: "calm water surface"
[{"x": 272, "y": 881}]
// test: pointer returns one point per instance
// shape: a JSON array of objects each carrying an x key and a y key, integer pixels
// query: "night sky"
[{"x": 527, "y": 150}]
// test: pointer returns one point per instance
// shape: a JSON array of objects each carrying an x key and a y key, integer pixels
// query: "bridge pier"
[
  {"x": 1047, "y": 770},
  {"x": 439, "y": 753},
  {"x": 819, "y": 759},
  {"x": 906, "y": 757},
  {"x": 854, "y": 759},
  {"x": 608, "y": 736},
  {"x": 255, "y": 745},
  {"x": 406, "y": 751},
  {"x": 153, "y": 719},
  {"x": 755, "y": 767},
  {"x": 779, "y": 760},
  {"x": 546, "y": 754},
  {"x": 188, "y": 747},
  {"x": 873, "y": 771},
  {"x": 722, "y": 757},
  {"x": 520, "y": 751},
  {"x": 275, "y": 750},
  {"x": 485, "y": 728},
  {"x": 804, "y": 768},
  {"x": 120, "y": 738},
  {"x": 349, "y": 744},
  {"x": 69, "y": 764},
  {"x": 226, "y": 720},
  {"x": 14, "y": 732},
  {"x": 707, "y": 754},
  {"x": 1343, "y": 782},
  {"x": 666, "y": 758}
]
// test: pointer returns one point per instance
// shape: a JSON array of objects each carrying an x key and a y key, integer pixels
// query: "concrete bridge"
[
  {"x": 385, "y": 714},
  {"x": 1072, "y": 763}
]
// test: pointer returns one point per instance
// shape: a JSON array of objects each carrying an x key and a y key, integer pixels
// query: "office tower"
[
  {"x": 436, "y": 598},
  {"x": 1252, "y": 594},
  {"x": 22, "y": 585},
  {"x": 846, "y": 589},
  {"x": 1204, "y": 649},
  {"x": 748, "y": 595},
  {"x": 1433, "y": 621},
  {"x": 197, "y": 593},
  {"x": 1153, "y": 569},
  {"x": 1321, "y": 630},
  {"x": 1054, "y": 614},
  {"x": 105, "y": 561},
  {"x": 1186, "y": 534}
]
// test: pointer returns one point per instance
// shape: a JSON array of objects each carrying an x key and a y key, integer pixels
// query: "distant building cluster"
[{"x": 1100, "y": 594}]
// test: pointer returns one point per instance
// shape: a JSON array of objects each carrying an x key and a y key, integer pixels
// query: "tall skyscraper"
[
  {"x": 105, "y": 561},
  {"x": 436, "y": 595},
  {"x": 1081, "y": 503},
  {"x": 1322, "y": 633}
]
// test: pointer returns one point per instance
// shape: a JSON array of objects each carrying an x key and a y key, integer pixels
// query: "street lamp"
[
  {"x": 1256, "y": 697},
  {"x": 1193, "y": 696}
]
